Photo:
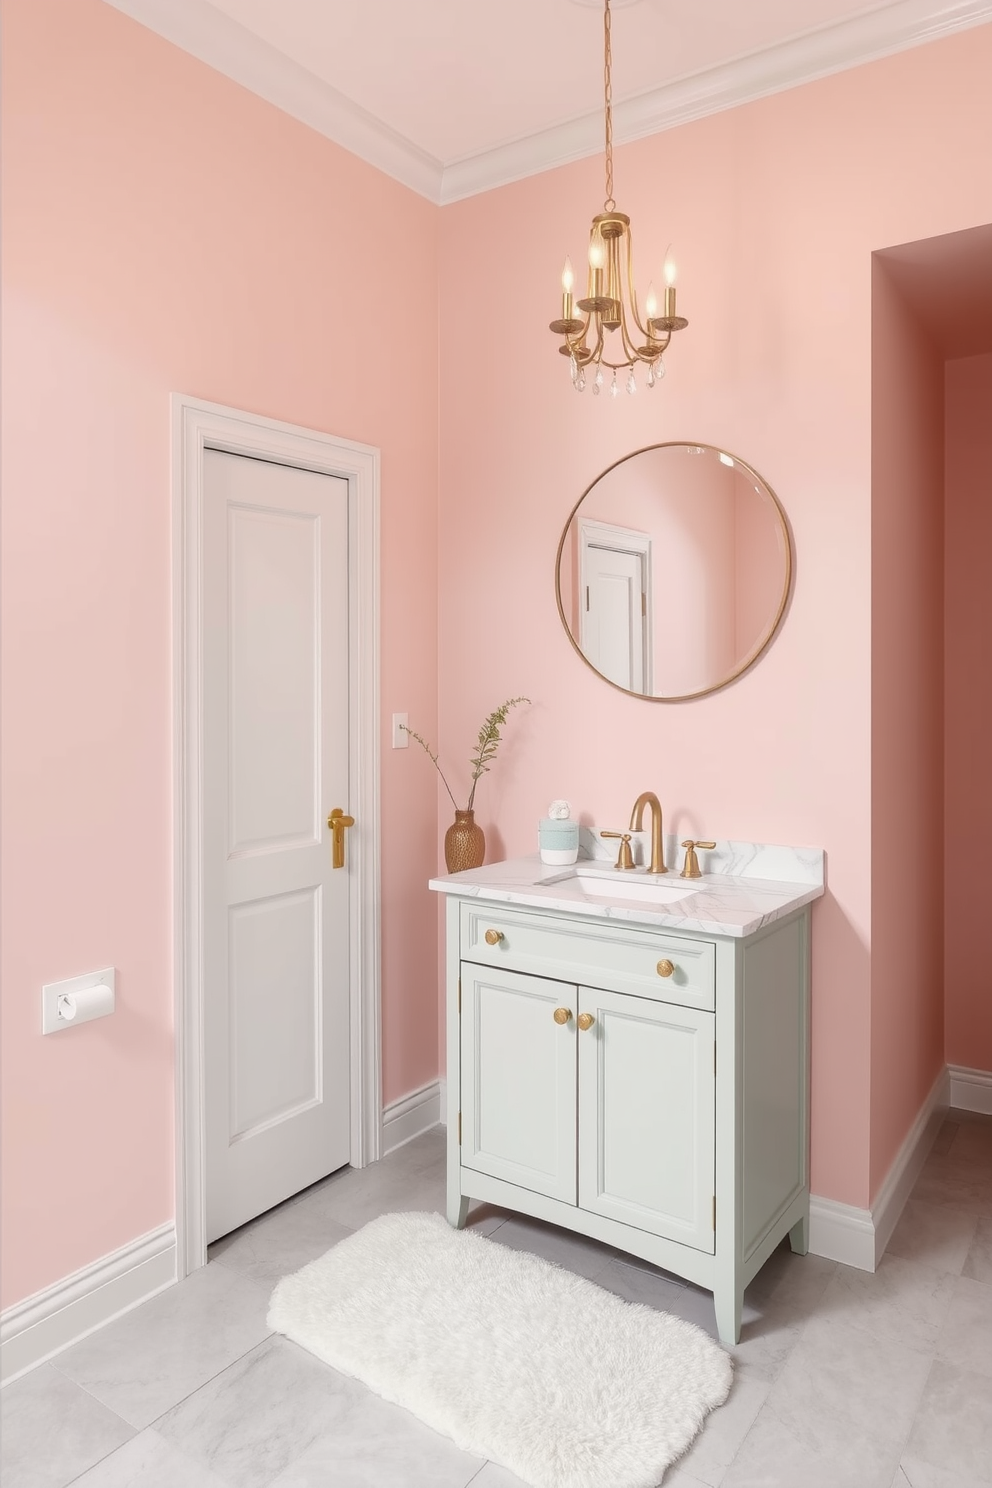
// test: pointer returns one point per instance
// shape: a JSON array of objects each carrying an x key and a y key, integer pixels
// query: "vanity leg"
[
  {"x": 799, "y": 1235},
  {"x": 457, "y": 1209},
  {"x": 728, "y": 1302}
]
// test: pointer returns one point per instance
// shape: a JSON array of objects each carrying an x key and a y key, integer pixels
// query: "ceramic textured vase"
[{"x": 464, "y": 843}]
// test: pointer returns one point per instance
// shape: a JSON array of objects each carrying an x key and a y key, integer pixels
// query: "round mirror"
[{"x": 673, "y": 571}]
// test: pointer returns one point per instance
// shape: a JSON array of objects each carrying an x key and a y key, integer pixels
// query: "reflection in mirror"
[{"x": 673, "y": 571}]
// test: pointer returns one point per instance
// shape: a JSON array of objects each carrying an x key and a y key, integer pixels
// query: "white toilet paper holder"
[{"x": 78, "y": 999}]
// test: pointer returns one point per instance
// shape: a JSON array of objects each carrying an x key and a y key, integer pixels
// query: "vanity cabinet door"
[
  {"x": 518, "y": 1079},
  {"x": 646, "y": 1115}
]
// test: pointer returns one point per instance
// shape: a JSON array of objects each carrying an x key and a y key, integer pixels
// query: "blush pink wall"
[
  {"x": 968, "y": 711},
  {"x": 164, "y": 229},
  {"x": 907, "y": 737},
  {"x": 775, "y": 209}
]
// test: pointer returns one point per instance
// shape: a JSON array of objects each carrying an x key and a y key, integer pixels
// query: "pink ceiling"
[{"x": 457, "y": 77}]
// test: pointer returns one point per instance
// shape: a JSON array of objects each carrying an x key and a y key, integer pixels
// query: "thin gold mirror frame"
[{"x": 764, "y": 639}]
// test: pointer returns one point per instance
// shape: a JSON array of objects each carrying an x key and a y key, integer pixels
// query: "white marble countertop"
[{"x": 735, "y": 900}]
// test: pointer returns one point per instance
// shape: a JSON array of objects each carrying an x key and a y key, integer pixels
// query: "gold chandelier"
[{"x": 610, "y": 307}]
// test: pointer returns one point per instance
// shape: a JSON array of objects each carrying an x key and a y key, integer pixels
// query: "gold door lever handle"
[{"x": 338, "y": 823}]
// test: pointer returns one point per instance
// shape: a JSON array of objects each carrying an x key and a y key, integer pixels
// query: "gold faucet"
[{"x": 648, "y": 798}]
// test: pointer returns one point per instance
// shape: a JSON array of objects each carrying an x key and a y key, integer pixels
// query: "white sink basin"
[{"x": 597, "y": 884}]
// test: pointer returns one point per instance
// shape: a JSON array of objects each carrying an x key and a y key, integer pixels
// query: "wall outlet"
[
  {"x": 401, "y": 739},
  {"x": 78, "y": 999}
]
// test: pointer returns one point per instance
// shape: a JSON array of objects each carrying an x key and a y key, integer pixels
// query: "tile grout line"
[{"x": 136, "y": 1430}]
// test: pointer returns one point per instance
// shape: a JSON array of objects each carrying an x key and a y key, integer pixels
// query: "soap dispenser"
[{"x": 558, "y": 835}]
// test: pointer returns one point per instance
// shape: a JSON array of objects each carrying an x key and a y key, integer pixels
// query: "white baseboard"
[
  {"x": 42, "y": 1325},
  {"x": 840, "y": 1232},
  {"x": 858, "y": 1237},
  {"x": 404, "y": 1119},
  {"x": 971, "y": 1089},
  {"x": 897, "y": 1185}
]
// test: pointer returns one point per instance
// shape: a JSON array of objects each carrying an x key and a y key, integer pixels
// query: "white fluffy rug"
[{"x": 515, "y": 1359}]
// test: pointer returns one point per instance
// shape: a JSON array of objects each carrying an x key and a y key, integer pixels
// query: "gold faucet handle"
[
  {"x": 624, "y": 857},
  {"x": 690, "y": 868}
]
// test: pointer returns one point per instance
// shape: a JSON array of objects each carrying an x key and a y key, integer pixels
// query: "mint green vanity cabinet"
[{"x": 644, "y": 1087}]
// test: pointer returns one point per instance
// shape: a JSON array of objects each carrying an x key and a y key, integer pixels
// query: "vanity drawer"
[{"x": 619, "y": 958}]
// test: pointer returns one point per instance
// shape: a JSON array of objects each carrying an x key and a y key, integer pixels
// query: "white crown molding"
[
  {"x": 896, "y": 28},
  {"x": 207, "y": 33}
]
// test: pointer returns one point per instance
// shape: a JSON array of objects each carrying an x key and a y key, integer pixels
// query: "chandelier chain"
[{"x": 609, "y": 204}]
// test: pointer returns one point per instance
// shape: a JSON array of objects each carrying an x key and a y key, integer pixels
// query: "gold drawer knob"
[
  {"x": 666, "y": 967},
  {"x": 493, "y": 937},
  {"x": 585, "y": 1021},
  {"x": 562, "y": 1015}
]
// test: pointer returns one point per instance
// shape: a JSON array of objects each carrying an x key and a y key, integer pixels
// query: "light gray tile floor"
[{"x": 843, "y": 1379}]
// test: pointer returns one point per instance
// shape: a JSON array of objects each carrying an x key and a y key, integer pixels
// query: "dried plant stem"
[{"x": 432, "y": 757}]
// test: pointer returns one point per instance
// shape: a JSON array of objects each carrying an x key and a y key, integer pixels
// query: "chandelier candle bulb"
[
  {"x": 567, "y": 280},
  {"x": 597, "y": 258}
]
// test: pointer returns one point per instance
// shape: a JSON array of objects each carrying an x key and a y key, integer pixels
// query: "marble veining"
[{"x": 745, "y": 886}]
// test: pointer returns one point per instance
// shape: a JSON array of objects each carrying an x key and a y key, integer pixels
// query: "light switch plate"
[{"x": 401, "y": 739}]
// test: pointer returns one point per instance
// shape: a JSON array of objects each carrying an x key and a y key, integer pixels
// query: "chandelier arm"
[
  {"x": 631, "y": 289},
  {"x": 577, "y": 342},
  {"x": 632, "y": 352}
]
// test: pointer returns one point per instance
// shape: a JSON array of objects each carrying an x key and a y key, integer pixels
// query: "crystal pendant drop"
[
  {"x": 575, "y": 369},
  {"x": 613, "y": 386},
  {"x": 651, "y": 376},
  {"x": 631, "y": 384},
  {"x": 660, "y": 369},
  {"x": 599, "y": 377},
  {"x": 580, "y": 381}
]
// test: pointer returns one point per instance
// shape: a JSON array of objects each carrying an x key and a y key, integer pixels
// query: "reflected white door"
[
  {"x": 614, "y": 621},
  {"x": 276, "y": 915}
]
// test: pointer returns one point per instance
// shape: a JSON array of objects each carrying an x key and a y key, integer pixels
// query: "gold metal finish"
[
  {"x": 648, "y": 798},
  {"x": 585, "y": 1021},
  {"x": 493, "y": 937},
  {"x": 666, "y": 967},
  {"x": 338, "y": 823},
  {"x": 562, "y": 1016},
  {"x": 761, "y": 643},
  {"x": 610, "y": 303},
  {"x": 624, "y": 858},
  {"x": 691, "y": 868}
]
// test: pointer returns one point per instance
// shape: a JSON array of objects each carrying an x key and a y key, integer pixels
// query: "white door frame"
[{"x": 197, "y": 426}]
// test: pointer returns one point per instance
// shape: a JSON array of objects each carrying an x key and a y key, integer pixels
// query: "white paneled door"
[
  {"x": 614, "y": 624},
  {"x": 275, "y": 763}
]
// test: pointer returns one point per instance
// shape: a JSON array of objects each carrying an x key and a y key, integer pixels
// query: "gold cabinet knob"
[
  {"x": 585, "y": 1021},
  {"x": 666, "y": 967},
  {"x": 562, "y": 1015},
  {"x": 493, "y": 937}
]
